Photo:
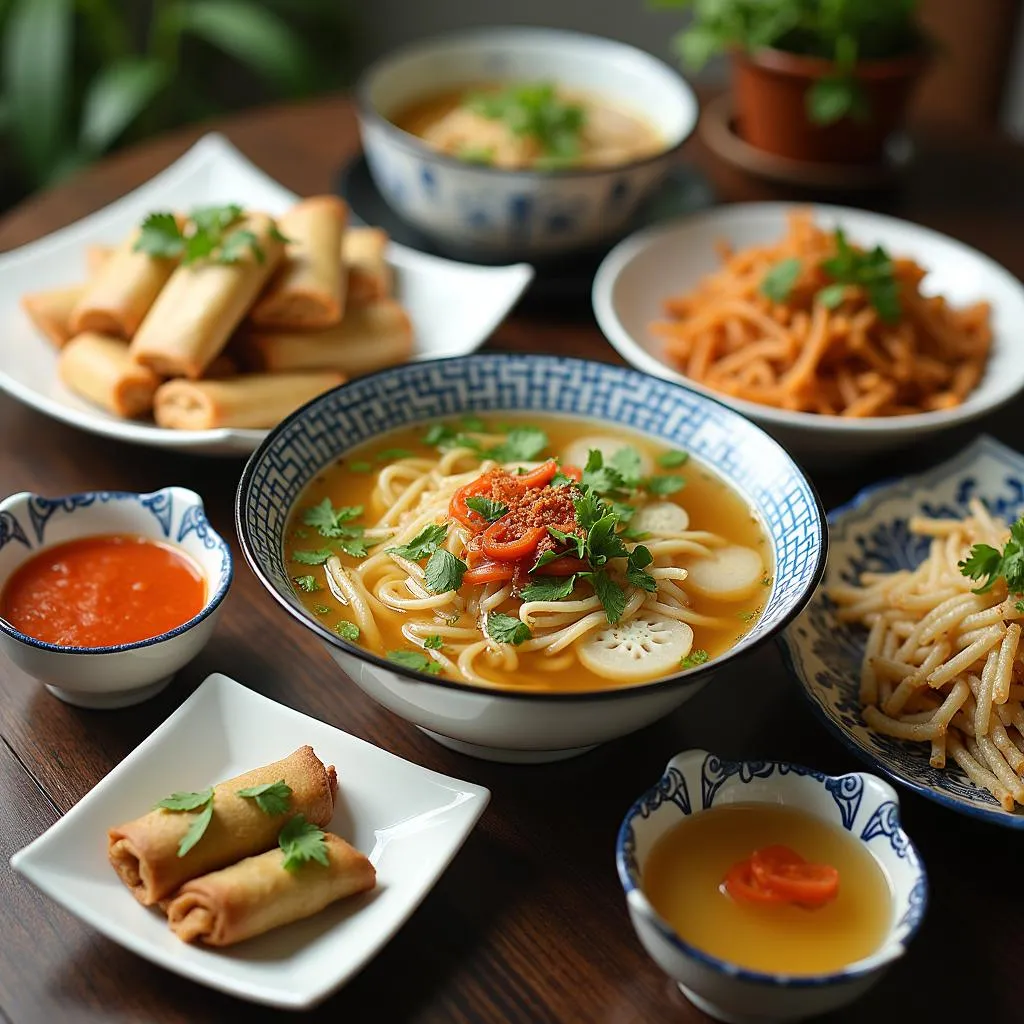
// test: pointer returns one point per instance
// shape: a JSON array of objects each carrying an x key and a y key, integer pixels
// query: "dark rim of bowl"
[
  {"x": 727, "y": 967},
  {"x": 208, "y": 608},
  {"x": 414, "y": 144},
  {"x": 686, "y": 678}
]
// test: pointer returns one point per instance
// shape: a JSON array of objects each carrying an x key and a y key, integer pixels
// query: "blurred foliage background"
[{"x": 78, "y": 77}]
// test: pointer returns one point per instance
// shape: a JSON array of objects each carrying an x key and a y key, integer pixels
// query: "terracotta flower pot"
[{"x": 770, "y": 89}]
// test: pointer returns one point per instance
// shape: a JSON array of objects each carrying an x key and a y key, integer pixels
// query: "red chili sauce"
[{"x": 103, "y": 590}]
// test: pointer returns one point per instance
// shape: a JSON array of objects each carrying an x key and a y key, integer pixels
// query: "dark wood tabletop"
[{"x": 529, "y": 923}]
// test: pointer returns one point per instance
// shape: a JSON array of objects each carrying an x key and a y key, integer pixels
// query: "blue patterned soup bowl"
[
  {"x": 517, "y": 214},
  {"x": 502, "y": 723},
  {"x": 863, "y": 805},
  {"x": 115, "y": 676}
]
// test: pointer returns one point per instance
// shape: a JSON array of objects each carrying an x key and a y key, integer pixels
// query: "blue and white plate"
[{"x": 871, "y": 533}]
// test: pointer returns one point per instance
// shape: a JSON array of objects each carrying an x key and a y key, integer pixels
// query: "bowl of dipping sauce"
[
  {"x": 769, "y": 891},
  {"x": 105, "y": 595},
  {"x": 521, "y": 143}
]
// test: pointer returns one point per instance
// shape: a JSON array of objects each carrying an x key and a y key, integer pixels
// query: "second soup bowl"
[{"x": 507, "y": 723}]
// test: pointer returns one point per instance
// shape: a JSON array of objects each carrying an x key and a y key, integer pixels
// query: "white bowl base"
[
  {"x": 506, "y": 755},
  {"x": 729, "y": 1018},
  {"x": 109, "y": 701}
]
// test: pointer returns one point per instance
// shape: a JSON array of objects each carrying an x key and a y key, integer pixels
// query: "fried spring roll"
[
  {"x": 50, "y": 311},
  {"x": 369, "y": 274},
  {"x": 120, "y": 295},
  {"x": 369, "y": 338},
  {"x": 256, "y": 401},
  {"x": 99, "y": 368},
  {"x": 259, "y": 893},
  {"x": 96, "y": 258},
  {"x": 144, "y": 852},
  {"x": 202, "y": 303},
  {"x": 308, "y": 290}
]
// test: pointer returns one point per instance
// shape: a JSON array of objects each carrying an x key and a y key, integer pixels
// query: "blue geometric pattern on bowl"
[
  {"x": 860, "y": 804},
  {"x": 498, "y": 382},
  {"x": 871, "y": 533}
]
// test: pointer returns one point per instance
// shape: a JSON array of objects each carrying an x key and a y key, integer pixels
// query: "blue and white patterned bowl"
[
  {"x": 863, "y": 805},
  {"x": 499, "y": 723},
  {"x": 517, "y": 214},
  {"x": 871, "y": 533},
  {"x": 116, "y": 676}
]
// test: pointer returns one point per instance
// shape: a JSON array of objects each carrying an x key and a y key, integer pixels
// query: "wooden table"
[{"x": 529, "y": 923}]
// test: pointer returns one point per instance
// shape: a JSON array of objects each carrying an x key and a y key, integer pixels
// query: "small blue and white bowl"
[
  {"x": 124, "y": 674},
  {"x": 862, "y": 804},
  {"x": 505, "y": 724},
  {"x": 517, "y": 214}
]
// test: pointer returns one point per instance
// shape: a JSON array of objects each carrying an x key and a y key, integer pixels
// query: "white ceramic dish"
[
  {"x": 863, "y": 805},
  {"x": 113, "y": 677},
  {"x": 640, "y": 273},
  {"x": 518, "y": 214},
  {"x": 871, "y": 532},
  {"x": 453, "y": 306},
  {"x": 409, "y": 821}
]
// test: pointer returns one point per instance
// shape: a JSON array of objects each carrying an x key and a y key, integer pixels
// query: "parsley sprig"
[
  {"x": 302, "y": 841},
  {"x": 201, "y": 801},
  {"x": 444, "y": 571},
  {"x": 208, "y": 233},
  {"x": 989, "y": 564},
  {"x": 334, "y": 524},
  {"x": 271, "y": 797}
]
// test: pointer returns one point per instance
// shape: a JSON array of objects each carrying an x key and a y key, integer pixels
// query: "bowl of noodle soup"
[{"x": 528, "y": 555}]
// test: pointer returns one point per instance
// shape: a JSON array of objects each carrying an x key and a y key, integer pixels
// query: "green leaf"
[
  {"x": 415, "y": 660},
  {"x": 307, "y": 584},
  {"x": 610, "y": 594},
  {"x": 603, "y": 542},
  {"x": 472, "y": 423},
  {"x": 673, "y": 459},
  {"x": 573, "y": 541},
  {"x": 521, "y": 444},
  {"x": 627, "y": 464},
  {"x": 239, "y": 244},
  {"x": 312, "y": 557},
  {"x": 359, "y": 467},
  {"x": 37, "y": 68},
  {"x": 354, "y": 546},
  {"x": 433, "y": 643},
  {"x": 271, "y": 797},
  {"x": 160, "y": 236},
  {"x": 697, "y": 46},
  {"x": 390, "y": 454},
  {"x": 548, "y": 588},
  {"x": 186, "y": 801},
  {"x": 302, "y": 841},
  {"x": 831, "y": 99},
  {"x": 437, "y": 433},
  {"x": 196, "y": 830},
  {"x": 321, "y": 609},
  {"x": 254, "y": 36},
  {"x": 663, "y": 486},
  {"x": 492, "y": 511},
  {"x": 425, "y": 543},
  {"x": 347, "y": 631},
  {"x": 778, "y": 283},
  {"x": 831, "y": 295},
  {"x": 327, "y": 519},
  {"x": 507, "y": 629},
  {"x": 694, "y": 658},
  {"x": 636, "y": 569},
  {"x": 534, "y": 109},
  {"x": 118, "y": 94},
  {"x": 444, "y": 572}
]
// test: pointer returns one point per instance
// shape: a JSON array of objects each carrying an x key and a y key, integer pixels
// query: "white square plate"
[
  {"x": 409, "y": 820},
  {"x": 454, "y": 307}
]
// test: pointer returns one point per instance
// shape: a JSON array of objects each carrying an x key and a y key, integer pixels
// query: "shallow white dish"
[
  {"x": 640, "y": 273},
  {"x": 454, "y": 307},
  {"x": 861, "y": 804},
  {"x": 409, "y": 821},
  {"x": 871, "y": 532}
]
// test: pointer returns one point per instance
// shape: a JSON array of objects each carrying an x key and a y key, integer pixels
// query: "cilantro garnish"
[
  {"x": 694, "y": 658},
  {"x": 321, "y": 609},
  {"x": 507, "y": 629},
  {"x": 778, "y": 282},
  {"x": 390, "y": 454},
  {"x": 359, "y": 467},
  {"x": 329, "y": 520},
  {"x": 347, "y": 631},
  {"x": 415, "y": 660},
  {"x": 302, "y": 841},
  {"x": 433, "y": 643},
  {"x": 317, "y": 557},
  {"x": 663, "y": 486},
  {"x": 548, "y": 588},
  {"x": 490, "y": 510},
  {"x": 673, "y": 459},
  {"x": 989, "y": 565},
  {"x": 521, "y": 444},
  {"x": 425, "y": 543},
  {"x": 610, "y": 594},
  {"x": 205, "y": 235},
  {"x": 271, "y": 797},
  {"x": 444, "y": 572},
  {"x": 636, "y": 569},
  {"x": 191, "y": 802},
  {"x": 307, "y": 584}
]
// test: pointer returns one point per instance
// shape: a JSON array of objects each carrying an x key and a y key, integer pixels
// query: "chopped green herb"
[
  {"x": 490, "y": 510},
  {"x": 204, "y": 236},
  {"x": 534, "y": 109},
  {"x": 476, "y": 154},
  {"x": 415, "y": 660},
  {"x": 444, "y": 572},
  {"x": 425, "y": 543},
  {"x": 561, "y": 480},
  {"x": 186, "y": 801},
  {"x": 572, "y": 540},
  {"x": 630, "y": 534},
  {"x": 831, "y": 295},
  {"x": 347, "y": 631},
  {"x": 196, "y": 830},
  {"x": 390, "y": 454},
  {"x": 673, "y": 459},
  {"x": 1019, "y": 605},
  {"x": 317, "y": 557},
  {"x": 328, "y": 519},
  {"x": 271, "y": 797},
  {"x": 359, "y": 467},
  {"x": 694, "y": 658},
  {"x": 160, "y": 236},
  {"x": 436, "y": 433},
  {"x": 609, "y": 593},
  {"x": 302, "y": 841},
  {"x": 636, "y": 569},
  {"x": 521, "y": 444},
  {"x": 778, "y": 282},
  {"x": 433, "y": 643},
  {"x": 472, "y": 423},
  {"x": 507, "y": 629},
  {"x": 873, "y": 271},
  {"x": 989, "y": 565},
  {"x": 603, "y": 542},
  {"x": 548, "y": 588},
  {"x": 663, "y": 486},
  {"x": 321, "y": 609},
  {"x": 627, "y": 464},
  {"x": 307, "y": 584},
  {"x": 354, "y": 546}
]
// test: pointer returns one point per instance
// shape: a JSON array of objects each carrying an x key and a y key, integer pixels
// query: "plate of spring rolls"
[
  {"x": 200, "y": 310},
  {"x": 254, "y": 849}
]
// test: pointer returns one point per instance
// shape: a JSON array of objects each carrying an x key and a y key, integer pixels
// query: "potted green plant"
[{"x": 813, "y": 80}]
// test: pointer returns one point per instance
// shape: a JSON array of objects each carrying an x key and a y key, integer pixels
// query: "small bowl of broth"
[
  {"x": 521, "y": 143},
  {"x": 105, "y": 595},
  {"x": 769, "y": 891}
]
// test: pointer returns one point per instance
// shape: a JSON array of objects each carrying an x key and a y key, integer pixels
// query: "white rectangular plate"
[
  {"x": 454, "y": 307},
  {"x": 409, "y": 820}
]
